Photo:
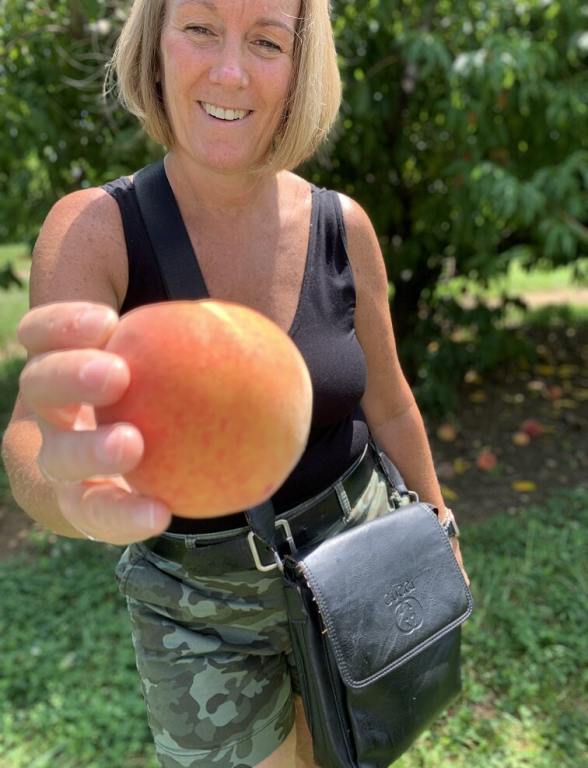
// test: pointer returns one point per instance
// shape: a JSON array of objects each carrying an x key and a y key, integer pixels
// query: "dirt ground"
[{"x": 549, "y": 400}]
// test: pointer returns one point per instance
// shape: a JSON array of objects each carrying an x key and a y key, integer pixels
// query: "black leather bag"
[{"x": 375, "y": 616}]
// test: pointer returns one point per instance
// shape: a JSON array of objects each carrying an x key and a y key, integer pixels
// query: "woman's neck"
[{"x": 218, "y": 195}]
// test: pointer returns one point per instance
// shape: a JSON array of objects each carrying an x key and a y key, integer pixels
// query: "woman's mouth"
[{"x": 223, "y": 113}]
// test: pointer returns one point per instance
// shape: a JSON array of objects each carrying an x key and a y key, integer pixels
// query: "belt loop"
[{"x": 343, "y": 500}]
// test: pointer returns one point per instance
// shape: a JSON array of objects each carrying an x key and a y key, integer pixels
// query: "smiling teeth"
[{"x": 224, "y": 114}]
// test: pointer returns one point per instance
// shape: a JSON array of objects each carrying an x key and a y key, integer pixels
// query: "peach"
[{"x": 222, "y": 397}]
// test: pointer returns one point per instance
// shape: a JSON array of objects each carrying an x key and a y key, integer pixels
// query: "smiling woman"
[
  {"x": 312, "y": 102},
  {"x": 239, "y": 92},
  {"x": 234, "y": 59}
]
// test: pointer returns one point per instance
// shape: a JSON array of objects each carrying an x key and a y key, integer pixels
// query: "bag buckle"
[{"x": 278, "y": 563}]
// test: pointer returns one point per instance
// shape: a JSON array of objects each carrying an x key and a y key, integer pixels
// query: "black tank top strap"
[
  {"x": 332, "y": 236},
  {"x": 169, "y": 237},
  {"x": 145, "y": 283}
]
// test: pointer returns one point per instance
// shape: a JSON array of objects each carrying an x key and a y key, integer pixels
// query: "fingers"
[
  {"x": 107, "y": 512},
  {"x": 73, "y": 456},
  {"x": 50, "y": 383},
  {"x": 66, "y": 325},
  {"x": 69, "y": 373}
]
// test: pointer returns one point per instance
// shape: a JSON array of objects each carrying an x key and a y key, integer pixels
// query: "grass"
[
  {"x": 69, "y": 692},
  {"x": 518, "y": 280},
  {"x": 16, "y": 253},
  {"x": 14, "y": 301},
  {"x": 526, "y": 650}
]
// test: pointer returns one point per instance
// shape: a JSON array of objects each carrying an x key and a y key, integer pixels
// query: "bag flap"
[{"x": 385, "y": 591}]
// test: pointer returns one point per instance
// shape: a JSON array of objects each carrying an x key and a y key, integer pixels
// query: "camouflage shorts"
[{"x": 214, "y": 653}]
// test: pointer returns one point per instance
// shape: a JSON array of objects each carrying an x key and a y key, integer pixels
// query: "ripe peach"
[{"x": 222, "y": 397}]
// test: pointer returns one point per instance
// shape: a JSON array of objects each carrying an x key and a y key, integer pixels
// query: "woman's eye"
[
  {"x": 199, "y": 30},
  {"x": 268, "y": 45}
]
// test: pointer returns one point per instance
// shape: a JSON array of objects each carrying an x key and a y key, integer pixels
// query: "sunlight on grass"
[
  {"x": 15, "y": 301},
  {"x": 518, "y": 279},
  {"x": 514, "y": 282},
  {"x": 16, "y": 253},
  {"x": 551, "y": 315}
]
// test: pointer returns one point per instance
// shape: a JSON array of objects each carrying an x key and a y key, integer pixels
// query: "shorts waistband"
[{"x": 223, "y": 551}]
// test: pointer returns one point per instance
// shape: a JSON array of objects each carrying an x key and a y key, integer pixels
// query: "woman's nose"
[{"x": 229, "y": 69}]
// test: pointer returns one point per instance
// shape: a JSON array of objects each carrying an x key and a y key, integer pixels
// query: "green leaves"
[
  {"x": 463, "y": 132},
  {"x": 427, "y": 53},
  {"x": 62, "y": 136},
  {"x": 464, "y": 136}
]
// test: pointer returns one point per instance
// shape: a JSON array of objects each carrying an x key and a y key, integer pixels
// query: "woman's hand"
[{"x": 67, "y": 374}]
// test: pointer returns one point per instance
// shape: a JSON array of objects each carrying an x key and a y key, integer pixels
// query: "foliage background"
[{"x": 464, "y": 134}]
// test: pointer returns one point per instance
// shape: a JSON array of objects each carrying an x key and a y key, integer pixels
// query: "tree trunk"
[{"x": 77, "y": 19}]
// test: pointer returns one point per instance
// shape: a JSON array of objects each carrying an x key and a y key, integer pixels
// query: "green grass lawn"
[
  {"x": 15, "y": 301},
  {"x": 70, "y": 697},
  {"x": 518, "y": 280}
]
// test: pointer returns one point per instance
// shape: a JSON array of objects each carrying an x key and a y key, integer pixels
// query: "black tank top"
[{"x": 322, "y": 329}]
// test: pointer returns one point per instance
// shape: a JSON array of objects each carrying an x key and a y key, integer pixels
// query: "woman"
[{"x": 240, "y": 92}]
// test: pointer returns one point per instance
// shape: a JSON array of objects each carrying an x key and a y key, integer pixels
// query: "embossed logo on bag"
[{"x": 408, "y": 611}]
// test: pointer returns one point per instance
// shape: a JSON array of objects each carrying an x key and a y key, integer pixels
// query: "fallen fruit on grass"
[
  {"x": 524, "y": 486},
  {"x": 222, "y": 397},
  {"x": 486, "y": 460},
  {"x": 532, "y": 427},
  {"x": 447, "y": 432},
  {"x": 521, "y": 438},
  {"x": 554, "y": 392}
]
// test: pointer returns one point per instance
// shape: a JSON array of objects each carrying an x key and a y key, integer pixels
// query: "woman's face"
[{"x": 226, "y": 68}]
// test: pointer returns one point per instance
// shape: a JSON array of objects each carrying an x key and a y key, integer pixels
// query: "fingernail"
[
  {"x": 110, "y": 447},
  {"x": 147, "y": 516},
  {"x": 97, "y": 373},
  {"x": 95, "y": 322}
]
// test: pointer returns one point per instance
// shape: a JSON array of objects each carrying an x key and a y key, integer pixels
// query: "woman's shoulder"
[
  {"x": 81, "y": 243},
  {"x": 357, "y": 221},
  {"x": 355, "y": 216},
  {"x": 359, "y": 229},
  {"x": 88, "y": 202}
]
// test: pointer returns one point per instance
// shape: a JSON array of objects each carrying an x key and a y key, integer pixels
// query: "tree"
[
  {"x": 465, "y": 136},
  {"x": 463, "y": 133},
  {"x": 61, "y": 135}
]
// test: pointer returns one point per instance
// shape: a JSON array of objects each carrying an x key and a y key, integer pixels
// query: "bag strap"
[
  {"x": 167, "y": 232},
  {"x": 400, "y": 494}
]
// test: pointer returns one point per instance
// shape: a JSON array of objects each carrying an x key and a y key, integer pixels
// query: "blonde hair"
[{"x": 315, "y": 90}]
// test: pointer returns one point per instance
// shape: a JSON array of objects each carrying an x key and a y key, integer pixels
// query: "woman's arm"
[
  {"x": 391, "y": 411},
  {"x": 65, "y": 472}
]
